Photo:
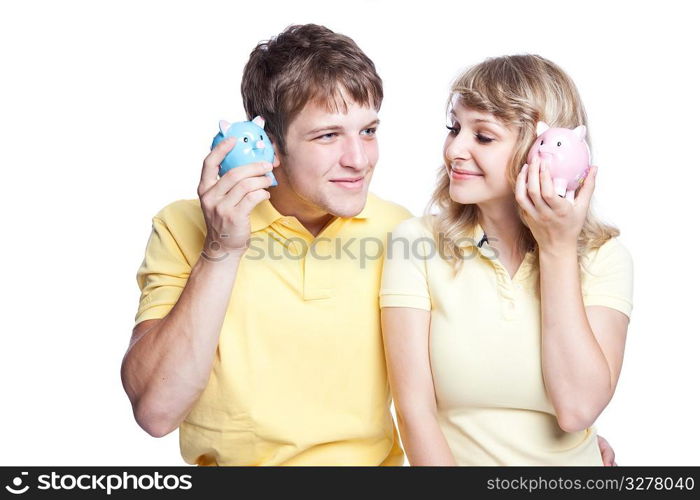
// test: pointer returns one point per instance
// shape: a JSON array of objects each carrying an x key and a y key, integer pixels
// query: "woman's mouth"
[{"x": 462, "y": 175}]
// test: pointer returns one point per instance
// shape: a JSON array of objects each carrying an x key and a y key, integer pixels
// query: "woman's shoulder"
[
  {"x": 414, "y": 228},
  {"x": 611, "y": 254}
]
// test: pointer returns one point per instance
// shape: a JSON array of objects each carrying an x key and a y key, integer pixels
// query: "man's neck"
[{"x": 287, "y": 203}]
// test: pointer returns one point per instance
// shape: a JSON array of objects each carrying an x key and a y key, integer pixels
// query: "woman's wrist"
[{"x": 561, "y": 251}]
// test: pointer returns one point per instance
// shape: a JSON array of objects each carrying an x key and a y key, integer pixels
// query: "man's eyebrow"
[
  {"x": 336, "y": 128},
  {"x": 325, "y": 128}
]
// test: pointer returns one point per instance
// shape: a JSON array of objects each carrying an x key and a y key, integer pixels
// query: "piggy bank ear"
[
  {"x": 542, "y": 127},
  {"x": 580, "y": 132},
  {"x": 223, "y": 126},
  {"x": 259, "y": 121}
]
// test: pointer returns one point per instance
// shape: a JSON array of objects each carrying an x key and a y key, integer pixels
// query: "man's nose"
[{"x": 354, "y": 154}]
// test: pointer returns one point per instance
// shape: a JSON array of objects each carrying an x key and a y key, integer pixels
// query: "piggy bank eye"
[
  {"x": 261, "y": 137},
  {"x": 245, "y": 139},
  {"x": 542, "y": 143},
  {"x": 559, "y": 143}
]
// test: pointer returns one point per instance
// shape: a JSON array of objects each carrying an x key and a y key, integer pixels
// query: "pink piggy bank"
[{"x": 567, "y": 155}]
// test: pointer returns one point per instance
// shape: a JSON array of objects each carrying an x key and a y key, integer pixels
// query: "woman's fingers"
[{"x": 521, "y": 195}]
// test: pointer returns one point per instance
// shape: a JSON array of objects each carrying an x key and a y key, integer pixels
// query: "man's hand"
[
  {"x": 606, "y": 452},
  {"x": 228, "y": 201}
]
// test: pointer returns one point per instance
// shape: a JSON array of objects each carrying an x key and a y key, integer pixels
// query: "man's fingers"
[
  {"x": 238, "y": 193},
  {"x": 606, "y": 452},
  {"x": 210, "y": 167},
  {"x": 236, "y": 175},
  {"x": 251, "y": 199}
]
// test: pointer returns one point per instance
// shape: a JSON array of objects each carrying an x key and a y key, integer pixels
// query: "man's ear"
[{"x": 276, "y": 159}]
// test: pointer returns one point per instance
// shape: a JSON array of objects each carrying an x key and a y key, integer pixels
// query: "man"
[{"x": 258, "y": 331}]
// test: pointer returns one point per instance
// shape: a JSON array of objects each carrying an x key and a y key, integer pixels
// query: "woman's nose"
[{"x": 458, "y": 149}]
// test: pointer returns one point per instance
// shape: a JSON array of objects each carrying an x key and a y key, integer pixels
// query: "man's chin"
[{"x": 348, "y": 209}]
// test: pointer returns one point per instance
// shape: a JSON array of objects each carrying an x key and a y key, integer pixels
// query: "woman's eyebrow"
[{"x": 485, "y": 120}]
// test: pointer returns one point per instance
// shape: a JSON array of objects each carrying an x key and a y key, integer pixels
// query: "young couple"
[{"x": 500, "y": 348}]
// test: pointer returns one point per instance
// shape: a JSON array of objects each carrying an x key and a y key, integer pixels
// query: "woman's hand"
[{"x": 555, "y": 222}]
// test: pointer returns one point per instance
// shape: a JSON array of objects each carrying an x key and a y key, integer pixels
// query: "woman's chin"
[{"x": 464, "y": 196}]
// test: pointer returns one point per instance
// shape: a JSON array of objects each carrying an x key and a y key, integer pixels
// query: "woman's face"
[{"x": 477, "y": 152}]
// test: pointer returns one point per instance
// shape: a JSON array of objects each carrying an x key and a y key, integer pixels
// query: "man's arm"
[{"x": 168, "y": 363}]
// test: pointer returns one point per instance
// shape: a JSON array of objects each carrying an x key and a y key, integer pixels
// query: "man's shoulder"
[
  {"x": 182, "y": 213},
  {"x": 386, "y": 213}
]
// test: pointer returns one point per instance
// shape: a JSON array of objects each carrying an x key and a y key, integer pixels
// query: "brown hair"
[
  {"x": 304, "y": 63},
  {"x": 519, "y": 90}
]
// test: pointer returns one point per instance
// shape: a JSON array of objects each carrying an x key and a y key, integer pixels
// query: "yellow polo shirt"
[
  {"x": 299, "y": 376},
  {"x": 485, "y": 342}
]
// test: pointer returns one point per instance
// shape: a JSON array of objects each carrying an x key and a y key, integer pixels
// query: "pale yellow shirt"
[
  {"x": 485, "y": 342},
  {"x": 299, "y": 376}
]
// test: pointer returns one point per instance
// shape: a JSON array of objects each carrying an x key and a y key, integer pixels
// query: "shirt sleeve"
[
  {"x": 404, "y": 275},
  {"x": 607, "y": 278},
  {"x": 162, "y": 274}
]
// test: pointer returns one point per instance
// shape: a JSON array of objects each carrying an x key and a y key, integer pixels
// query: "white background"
[{"x": 108, "y": 108}]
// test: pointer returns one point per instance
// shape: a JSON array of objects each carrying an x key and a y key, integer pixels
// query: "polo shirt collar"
[
  {"x": 264, "y": 214},
  {"x": 477, "y": 238}
]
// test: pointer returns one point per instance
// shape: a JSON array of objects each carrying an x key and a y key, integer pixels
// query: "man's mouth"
[{"x": 349, "y": 183}]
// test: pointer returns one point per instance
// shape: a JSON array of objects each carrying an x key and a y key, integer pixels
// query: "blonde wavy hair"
[{"x": 519, "y": 90}]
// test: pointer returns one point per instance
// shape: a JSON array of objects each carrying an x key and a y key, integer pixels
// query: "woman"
[{"x": 504, "y": 324}]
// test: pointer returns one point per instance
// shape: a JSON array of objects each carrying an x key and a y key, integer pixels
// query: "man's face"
[{"x": 330, "y": 158}]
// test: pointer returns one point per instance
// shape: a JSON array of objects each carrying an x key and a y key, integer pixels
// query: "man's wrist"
[{"x": 213, "y": 251}]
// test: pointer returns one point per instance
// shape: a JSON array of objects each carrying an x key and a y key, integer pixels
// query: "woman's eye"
[
  {"x": 483, "y": 139},
  {"x": 453, "y": 130}
]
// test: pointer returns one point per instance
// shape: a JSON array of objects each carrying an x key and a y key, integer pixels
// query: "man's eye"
[
  {"x": 483, "y": 139},
  {"x": 329, "y": 135},
  {"x": 370, "y": 131},
  {"x": 453, "y": 130}
]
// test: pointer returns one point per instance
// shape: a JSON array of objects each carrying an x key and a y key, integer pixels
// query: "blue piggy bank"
[{"x": 252, "y": 145}]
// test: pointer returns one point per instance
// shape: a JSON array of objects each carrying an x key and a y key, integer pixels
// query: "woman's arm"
[
  {"x": 406, "y": 334},
  {"x": 582, "y": 347}
]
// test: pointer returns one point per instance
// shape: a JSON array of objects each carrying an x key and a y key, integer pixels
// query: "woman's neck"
[{"x": 502, "y": 225}]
